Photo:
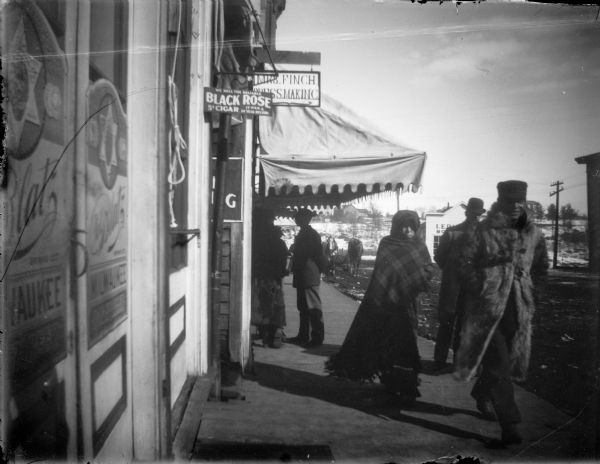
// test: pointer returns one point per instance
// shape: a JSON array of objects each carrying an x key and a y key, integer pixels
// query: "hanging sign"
[
  {"x": 233, "y": 199},
  {"x": 237, "y": 101},
  {"x": 290, "y": 88}
]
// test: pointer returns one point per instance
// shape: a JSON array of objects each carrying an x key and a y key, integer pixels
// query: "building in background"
[
  {"x": 436, "y": 223},
  {"x": 592, "y": 163}
]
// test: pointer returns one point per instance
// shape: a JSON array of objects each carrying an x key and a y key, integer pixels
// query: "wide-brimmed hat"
[
  {"x": 512, "y": 190},
  {"x": 475, "y": 206}
]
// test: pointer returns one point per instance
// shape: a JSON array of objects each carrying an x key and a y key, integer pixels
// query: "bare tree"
[
  {"x": 376, "y": 220},
  {"x": 551, "y": 211},
  {"x": 567, "y": 214}
]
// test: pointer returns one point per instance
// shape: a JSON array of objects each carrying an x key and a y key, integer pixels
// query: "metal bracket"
[{"x": 180, "y": 233}]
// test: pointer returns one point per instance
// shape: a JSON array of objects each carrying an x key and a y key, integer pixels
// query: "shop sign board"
[
  {"x": 38, "y": 196},
  {"x": 106, "y": 211},
  {"x": 290, "y": 88},
  {"x": 233, "y": 200},
  {"x": 234, "y": 101}
]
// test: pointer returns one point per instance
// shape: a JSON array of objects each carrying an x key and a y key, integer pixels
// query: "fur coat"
[{"x": 497, "y": 259}]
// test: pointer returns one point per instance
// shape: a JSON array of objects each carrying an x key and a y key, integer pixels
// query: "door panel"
[
  {"x": 102, "y": 170},
  {"x": 40, "y": 366}
]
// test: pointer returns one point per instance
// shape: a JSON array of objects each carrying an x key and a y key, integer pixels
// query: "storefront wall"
[
  {"x": 92, "y": 315},
  {"x": 592, "y": 163},
  {"x": 593, "y": 188}
]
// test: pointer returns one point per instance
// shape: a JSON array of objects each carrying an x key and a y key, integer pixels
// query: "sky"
[{"x": 491, "y": 91}]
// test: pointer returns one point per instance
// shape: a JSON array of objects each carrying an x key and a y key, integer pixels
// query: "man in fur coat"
[
  {"x": 499, "y": 261},
  {"x": 452, "y": 294}
]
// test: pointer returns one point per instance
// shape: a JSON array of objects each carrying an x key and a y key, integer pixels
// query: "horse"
[{"x": 355, "y": 251}]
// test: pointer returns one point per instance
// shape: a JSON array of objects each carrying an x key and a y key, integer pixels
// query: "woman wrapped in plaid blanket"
[{"x": 382, "y": 340}]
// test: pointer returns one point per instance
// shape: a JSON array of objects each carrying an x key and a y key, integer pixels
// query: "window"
[
  {"x": 108, "y": 43},
  {"x": 436, "y": 242}
]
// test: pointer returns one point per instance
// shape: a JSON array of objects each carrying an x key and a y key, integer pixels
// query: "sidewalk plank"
[
  {"x": 292, "y": 400},
  {"x": 187, "y": 432}
]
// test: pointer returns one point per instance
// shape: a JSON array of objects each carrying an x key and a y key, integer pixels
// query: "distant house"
[
  {"x": 352, "y": 213},
  {"x": 436, "y": 223}
]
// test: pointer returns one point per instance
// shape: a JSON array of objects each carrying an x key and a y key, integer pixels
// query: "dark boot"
[
  {"x": 486, "y": 408},
  {"x": 277, "y": 339},
  {"x": 317, "y": 334},
  {"x": 302, "y": 336},
  {"x": 267, "y": 335}
]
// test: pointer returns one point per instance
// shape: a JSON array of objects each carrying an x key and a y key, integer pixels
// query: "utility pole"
[{"x": 559, "y": 189}]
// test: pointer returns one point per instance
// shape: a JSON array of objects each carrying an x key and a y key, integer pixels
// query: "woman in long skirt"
[
  {"x": 382, "y": 340},
  {"x": 269, "y": 258}
]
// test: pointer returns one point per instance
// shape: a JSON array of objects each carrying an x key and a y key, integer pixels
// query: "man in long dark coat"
[
  {"x": 500, "y": 260},
  {"x": 308, "y": 263},
  {"x": 451, "y": 300}
]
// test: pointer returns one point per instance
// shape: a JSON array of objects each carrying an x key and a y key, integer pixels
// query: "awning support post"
[{"x": 217, "y": 245}]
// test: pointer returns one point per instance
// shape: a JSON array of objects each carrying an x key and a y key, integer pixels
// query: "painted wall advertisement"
[
  {"x": 106, "y": 211},
  {"x": 39, "y": 199}
]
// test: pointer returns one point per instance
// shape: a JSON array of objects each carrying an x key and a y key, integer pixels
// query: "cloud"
[{"x": 459, "y": 60}]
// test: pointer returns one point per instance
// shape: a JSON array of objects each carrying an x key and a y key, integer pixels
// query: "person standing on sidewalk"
[
  {"x": 308, "y": 263},
  {"x": 382, "y": 340},
  {"x": 451, "y": 298},
  {"x": 500, "y": 261},
  {"x": 269, "y": 257}
]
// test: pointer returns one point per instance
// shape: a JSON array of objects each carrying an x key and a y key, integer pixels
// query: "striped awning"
[{"x": 329, "y": 155}]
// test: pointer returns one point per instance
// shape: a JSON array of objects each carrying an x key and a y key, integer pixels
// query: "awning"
[{"x": 329, "y": 155}]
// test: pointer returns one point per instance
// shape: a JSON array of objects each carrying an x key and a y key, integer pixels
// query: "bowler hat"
[
  {"x": 512, "y": 190},
  {"x": 475, "y": 206}
]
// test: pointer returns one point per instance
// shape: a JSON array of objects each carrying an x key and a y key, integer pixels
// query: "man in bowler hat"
[
  {"x": 452, "y": 293},
  {"x": 308, "y": 263},
  {"x": 500, "y": 262}
]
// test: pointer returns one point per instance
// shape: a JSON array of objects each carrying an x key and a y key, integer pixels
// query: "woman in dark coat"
[
  {"x": 382, "y": 340},
  {"x": 269, "y": 256}
]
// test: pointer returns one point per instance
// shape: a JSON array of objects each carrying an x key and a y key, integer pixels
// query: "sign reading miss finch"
[
  {"x": 290, "y": 88},
  {"x": 237, "y": 101}
]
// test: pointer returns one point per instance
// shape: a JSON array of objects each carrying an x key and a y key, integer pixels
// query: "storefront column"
[
  {"x": 146, "y": 231},
  {"x": 199, "y": 186},
  {"x": 247, "y": 244}
]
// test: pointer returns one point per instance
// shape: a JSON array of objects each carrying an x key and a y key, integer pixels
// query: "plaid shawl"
[{"x": 402, "y": 270}]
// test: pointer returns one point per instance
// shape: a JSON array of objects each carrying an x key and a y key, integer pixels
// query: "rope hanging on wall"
[{"x": 176, "y": 141}]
